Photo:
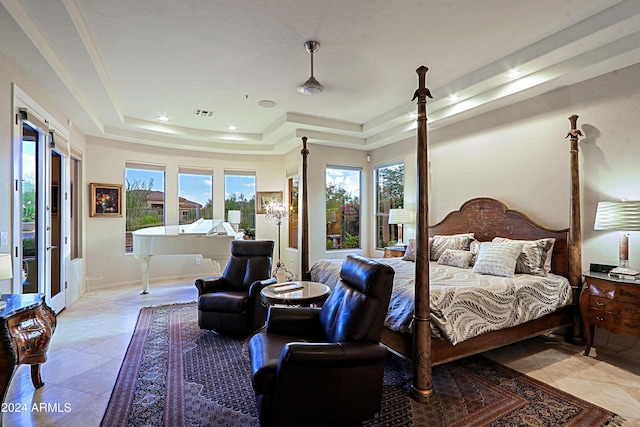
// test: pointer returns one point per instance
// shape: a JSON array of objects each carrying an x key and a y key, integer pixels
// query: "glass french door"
[{"x": 40, "y": 186}]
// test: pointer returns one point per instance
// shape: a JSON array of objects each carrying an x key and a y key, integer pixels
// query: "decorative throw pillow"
[
  {"x": 533, "y": 258},
  {"x": 455, "y": 258},
  {"x": 410, "y": 252},
  {"x": 458, "y": 242},
  {"x": 498, "y": 258},
  {"x": 474, "y": 248}
]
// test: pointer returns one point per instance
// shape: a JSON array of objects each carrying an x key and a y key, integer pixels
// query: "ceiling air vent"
[{"x": 203, "y": 113}]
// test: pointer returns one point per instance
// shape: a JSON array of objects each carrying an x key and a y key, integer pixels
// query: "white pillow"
[
  {"x": 498, "y": 258},
  {"x": 441, "y": 243},
  {"x": 533, "y": 258},
  {"x": 455, "y": 258}
]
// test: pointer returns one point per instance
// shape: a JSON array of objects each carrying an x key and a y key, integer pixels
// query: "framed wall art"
[
  {"x": 106, "y": 200},
  {"x": 263, "y": 198}
]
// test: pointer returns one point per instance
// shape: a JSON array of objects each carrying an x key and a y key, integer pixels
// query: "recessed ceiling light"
[
  {"x": 454, "y": 98},
  {"x": 266, "y": 103},
  {"x": 513, "y": 74},
  {"x": 163, "y": 118},
  {"x": 232, "y": 127},
  {"x": 413, "y": 116}
]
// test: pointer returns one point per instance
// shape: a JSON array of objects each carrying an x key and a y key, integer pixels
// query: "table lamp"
[
  {"x": 5, "y": 272},
  {"x": 400, "y": 217},
  {"x": 624, "y": 217},
  {"x": 234, "y": 217}
]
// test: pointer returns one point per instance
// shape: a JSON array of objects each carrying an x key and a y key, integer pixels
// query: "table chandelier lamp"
[
  {"x": 278, "y": 212},
  {"x": 5, "y": 273},
  {"x": 400, "y": 217},
  {"x": 233, "y": 218},
  {"x": 624, "y": 217}
]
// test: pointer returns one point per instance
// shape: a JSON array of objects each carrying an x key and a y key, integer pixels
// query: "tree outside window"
[
  {"x": 240, "y": 195},
  {"x": 195, "y": 191},
  {"x": 342, "y": 194},
  {"x": 389, "y": 181},
  {"x": 144, "y": 201}
]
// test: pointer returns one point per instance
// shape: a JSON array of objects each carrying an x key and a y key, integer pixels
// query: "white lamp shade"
[
  {"x": 621, "y": 216},
  {"x": 399, "y": 216},
  {"x": 234, "y": 217},
  {"x": 5, "y": 267}
]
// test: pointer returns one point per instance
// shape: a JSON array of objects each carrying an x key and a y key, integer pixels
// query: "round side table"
[{"x": 300, "y": 293}]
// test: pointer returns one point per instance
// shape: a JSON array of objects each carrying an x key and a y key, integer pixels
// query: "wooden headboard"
[{"x": 487, "y": 218}]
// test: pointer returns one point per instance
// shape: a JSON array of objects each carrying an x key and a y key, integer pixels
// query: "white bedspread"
[{"x": 463, "y": 304}]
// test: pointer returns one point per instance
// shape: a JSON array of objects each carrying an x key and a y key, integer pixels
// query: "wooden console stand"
[{"x": 26, "y": 326}]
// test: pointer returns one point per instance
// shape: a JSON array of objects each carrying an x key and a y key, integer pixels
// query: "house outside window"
[
  {"x": 389, "y": 182},
  {"x": 342, "y": 195},
  {"x": 195, "y": 195},
  {"x": 145, "y": 189}
]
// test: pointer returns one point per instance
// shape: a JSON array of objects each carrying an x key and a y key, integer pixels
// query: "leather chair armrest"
[
  {"x": 257, "y": 286},
  {"x": 332, "y": 355},
  {"x": 208, "y": 285},
  {"x": 294, "y": 321}
]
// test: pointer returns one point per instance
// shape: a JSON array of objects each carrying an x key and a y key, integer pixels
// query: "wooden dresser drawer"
[
  {"x": 615, "y": 291},
  {"x": 616, "y": 308},
  {"x": 611, "y": 304}
]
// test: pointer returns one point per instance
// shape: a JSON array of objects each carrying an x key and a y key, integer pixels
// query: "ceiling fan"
[{"x": 311, "y": 86}]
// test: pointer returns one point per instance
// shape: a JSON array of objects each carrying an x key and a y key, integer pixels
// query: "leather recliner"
[
  {"x": 324, "y": 366},
  {"x": 230, "y": 304}
]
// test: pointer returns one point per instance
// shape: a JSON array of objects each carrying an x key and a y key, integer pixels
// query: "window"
[
  {"x": 293, "y": 211},
  {"x": 342, "y": 192},
  {"x": 195, "y": 195},
  {"x": 240, "y": 194},
  {"x": 76, "y": 209},
  {"x": 144, "y": 199},
  {"x": 389, "y": 181}
]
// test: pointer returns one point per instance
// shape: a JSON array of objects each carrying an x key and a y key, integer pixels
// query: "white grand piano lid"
[
  {"x": 198, "y": 238},
  {"x": 201, "y": 226}
]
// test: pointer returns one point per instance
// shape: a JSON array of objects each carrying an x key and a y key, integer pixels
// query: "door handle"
[{"x": 52, "y": 247}]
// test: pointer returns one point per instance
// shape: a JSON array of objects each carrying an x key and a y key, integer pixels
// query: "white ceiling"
[{"x": 114, "y": 66}]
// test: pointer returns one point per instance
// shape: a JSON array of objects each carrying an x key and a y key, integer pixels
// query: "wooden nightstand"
[
  {"x": 612, "y": 304},
  {"x": 394, "y": 251}
]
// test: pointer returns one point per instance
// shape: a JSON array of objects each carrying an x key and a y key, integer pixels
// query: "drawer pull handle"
[
  {"x": 600, "y": 319},
  {"x": 600, "y": 304}
]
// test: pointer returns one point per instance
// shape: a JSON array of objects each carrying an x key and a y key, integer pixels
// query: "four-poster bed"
[{"x": 486, "y": 218}]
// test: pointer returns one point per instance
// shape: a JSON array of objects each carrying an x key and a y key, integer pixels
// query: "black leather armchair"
[
  {"x": 230, "y": 303},
  {"x": 325, "y": 366}
]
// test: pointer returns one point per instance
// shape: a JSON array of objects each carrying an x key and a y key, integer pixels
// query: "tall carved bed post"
[
  {"x": 422, "y": 387},
  {"x": 575, "y": 230},
  {"x": 306, "y": 274}
]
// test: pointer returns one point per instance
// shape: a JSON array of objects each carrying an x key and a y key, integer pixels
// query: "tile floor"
[{"x": 93, "y": 334}]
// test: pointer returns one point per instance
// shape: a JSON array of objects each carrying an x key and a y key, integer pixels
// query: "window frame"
[
  {"x": 247, "y": 224},
  {"x": 128, "y": 201},
  {"x": 343, "y": 239},
  {"x": 205, "y": 211},
  {"x": 382, "y": 217}
]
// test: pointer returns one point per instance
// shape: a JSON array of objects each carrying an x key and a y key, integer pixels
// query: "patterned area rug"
[{"x": 175, "y": 374}]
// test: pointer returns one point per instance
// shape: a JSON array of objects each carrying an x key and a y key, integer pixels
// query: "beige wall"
[
  {"x": 105, "y": 163},
  {"x": 319, "y": 158},
  {"x": 520, "y": 156},
  {"x": 10, "y": 75}
]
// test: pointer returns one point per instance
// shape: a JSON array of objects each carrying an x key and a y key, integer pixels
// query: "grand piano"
[{"x": 198, "y": 238}]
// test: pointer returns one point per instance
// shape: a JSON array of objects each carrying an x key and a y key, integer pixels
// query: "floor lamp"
[{"x": 278, "y": 212}]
